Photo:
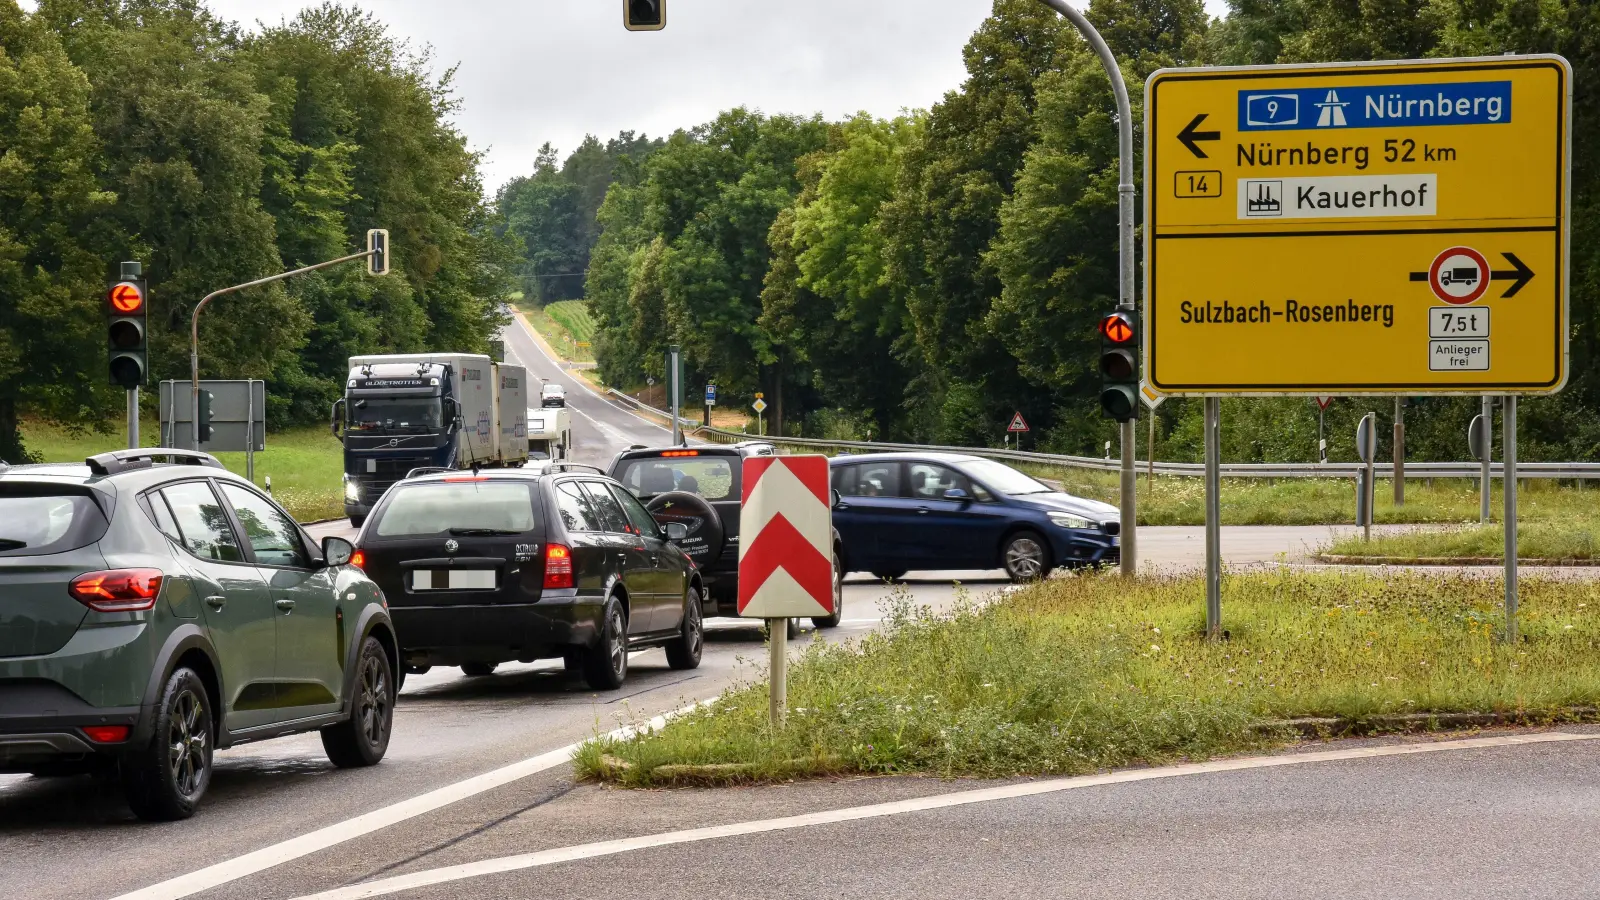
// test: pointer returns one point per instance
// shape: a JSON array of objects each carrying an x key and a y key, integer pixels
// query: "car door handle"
[
  {"x": 216, "y": 601},
  {"x": 285, "y": 604},
  {"x": 922, "y": 510}
]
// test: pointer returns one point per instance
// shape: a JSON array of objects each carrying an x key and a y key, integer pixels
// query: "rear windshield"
[
  {"x": 712, "y": 477},
  {"x": 459, "y": 507},
  {"x": 35, "y": 522}
]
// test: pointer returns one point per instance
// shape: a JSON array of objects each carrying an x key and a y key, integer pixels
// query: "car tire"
[
  {"x": 478, "y": 670},
  {"x": 572, "y": 661},
  {"x": 684, "y": 651},
  {"x": 1026, "y": 556},
  {"x": 890, "y": 575},
  {"x": 605, "y": 665},
  {"x": 791, "y": 629},
  {"x": 357, "y": 521},
  {"x": 362, "y": 739},
  {"x": 165, "y": 779},
  {"x": 838, "y": 597}
]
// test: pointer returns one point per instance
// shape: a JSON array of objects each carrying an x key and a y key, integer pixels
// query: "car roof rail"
[
  {"x": 561, "y": 466},
  {"x": 126, "y": 460},
  {"x": 420, "y": 471}
]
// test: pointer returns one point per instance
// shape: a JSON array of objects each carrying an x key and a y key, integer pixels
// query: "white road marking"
[
  {"x": 323, "y": 838},
  {"x": 520, "y": 861}
]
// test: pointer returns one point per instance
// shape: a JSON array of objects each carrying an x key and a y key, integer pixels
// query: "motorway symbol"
[
  {"x": 1519, "y": 275},
  {"x": 786, "y": 546},
  {"x": 1018, "y": 424},
  {"x": 1189, "y": 136},
  {"x": 1280, "y": 268}
]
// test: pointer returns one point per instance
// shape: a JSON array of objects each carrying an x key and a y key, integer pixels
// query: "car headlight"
[
  {"x": 1068, "y": 520},
  {"x": 352, "y": 490}
]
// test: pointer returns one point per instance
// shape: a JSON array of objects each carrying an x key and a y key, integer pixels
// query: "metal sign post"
[
  {"x": 1151, "y": 400},
  {"x": 1366, "y": 491},
  {"x": 675, "y": 390},
  {"x": 1213, "y": 427},
  {"x": 1508, "y": 429},
  {"x": 1399, "y": 452},
  {"x": 1485, "y": 485},
  {"x": 1126, "y": 272}
]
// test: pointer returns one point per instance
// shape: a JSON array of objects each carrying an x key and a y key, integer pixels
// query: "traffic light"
[
  {"x": 127, "y": 332},
  {"x": 644, "y": 15},
  {"x": 205, "y": 417},
  {"x": 378, "y": 246},
  {"x": 1119, "y": 366}
]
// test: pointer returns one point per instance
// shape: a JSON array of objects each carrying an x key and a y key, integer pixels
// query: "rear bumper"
[
  {"x": 453, "y": 635},
  {"x": 722, "y": 593},
  {"x": 30, "y": 740}
]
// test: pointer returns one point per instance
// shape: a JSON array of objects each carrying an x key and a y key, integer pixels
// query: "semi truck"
[{"x": 435, "y": 411}]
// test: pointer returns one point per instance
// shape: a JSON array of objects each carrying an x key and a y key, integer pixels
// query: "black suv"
[
  {"x": 525, "y": 564},
  {"x": 700, "y": 488},
  {"x": 150, "y": 614}
]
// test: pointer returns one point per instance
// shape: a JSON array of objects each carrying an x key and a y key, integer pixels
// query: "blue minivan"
[{"x": 902, "y": 512}]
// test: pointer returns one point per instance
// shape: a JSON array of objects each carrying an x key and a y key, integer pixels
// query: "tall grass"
[
  {"x": 1087, "y": 672},
  {"x": 1575, "y": 539}
]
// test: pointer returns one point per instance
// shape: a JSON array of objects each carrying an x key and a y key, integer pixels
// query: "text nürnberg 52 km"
[{"x": 1357, "y": 228}]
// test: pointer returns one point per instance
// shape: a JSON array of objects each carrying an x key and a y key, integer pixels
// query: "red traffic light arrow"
[
  {"x": 1117, "y": 328},
  {"x": 126, "y": 298}
]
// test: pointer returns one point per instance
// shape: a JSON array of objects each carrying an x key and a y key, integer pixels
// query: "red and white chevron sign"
[{"x": 785, "y": 538}]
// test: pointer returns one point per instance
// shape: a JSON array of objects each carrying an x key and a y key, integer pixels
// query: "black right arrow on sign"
[{"x": 1519, "y": 275}]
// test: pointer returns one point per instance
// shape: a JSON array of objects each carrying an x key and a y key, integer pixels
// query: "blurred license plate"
[{"x": 452, "y": 580}]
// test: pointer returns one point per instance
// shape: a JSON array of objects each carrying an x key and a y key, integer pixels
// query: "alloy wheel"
[
  {"x": 619, "y": 642},
  {"x": 188, "y": 733},
  {"x": 693, "y": 627},
  {"x": 1025, "y": 558},
  {"x": 374, "y": 704}
]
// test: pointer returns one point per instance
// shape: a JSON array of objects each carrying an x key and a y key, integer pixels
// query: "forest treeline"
[
  {"x": 924, "y": 277},
  {"x": 154, "y": 130}
]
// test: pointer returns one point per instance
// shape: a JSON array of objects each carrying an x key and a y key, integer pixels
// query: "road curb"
[
  {"x": 1326, "y": 727},
  {"x": 1345, "y": 560}
]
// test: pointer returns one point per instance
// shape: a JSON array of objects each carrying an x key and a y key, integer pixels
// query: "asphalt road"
[{"x": 1350, "y": 824}]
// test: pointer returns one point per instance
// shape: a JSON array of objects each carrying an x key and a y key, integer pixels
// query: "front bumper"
[{"x": 1077, "y": 547}]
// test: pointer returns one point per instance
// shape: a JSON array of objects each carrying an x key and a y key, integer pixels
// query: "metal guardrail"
[{"x": 1559, "y": 470}]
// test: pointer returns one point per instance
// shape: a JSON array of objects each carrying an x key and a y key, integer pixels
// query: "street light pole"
[
  {"x": 1125, "y": 269},
  {"x": 194, "y": 332}
]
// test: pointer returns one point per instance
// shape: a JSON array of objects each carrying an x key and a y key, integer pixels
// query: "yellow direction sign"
[{"x": 1358, "y": 228}]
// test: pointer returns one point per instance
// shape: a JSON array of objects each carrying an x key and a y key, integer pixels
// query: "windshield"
[
  {"x": 33, "y": 525},
  {"x": 459, "y": 507},
  {"x": 709, "y": 476},
  {"x": 1004, "y": 479},
  {"x": 395, "y": 415}
]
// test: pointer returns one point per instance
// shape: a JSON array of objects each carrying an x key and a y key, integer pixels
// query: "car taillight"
[
  {"x": 359, "y": 560},
  {"x": 107, "y": 734},
  {"x": 557, "y": 566},
  {"x": 119, "y": 590}
]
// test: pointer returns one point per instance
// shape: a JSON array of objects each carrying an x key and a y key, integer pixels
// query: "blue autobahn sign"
[{"x": 1376, "y": 106}]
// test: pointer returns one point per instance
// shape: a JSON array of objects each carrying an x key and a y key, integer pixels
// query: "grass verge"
[
  {"x": 565, "y": 325},
  {"x": 1570, "y": 539},
  {"x": 1083, "y": 673},
  {"x": 305, "y": 464}
]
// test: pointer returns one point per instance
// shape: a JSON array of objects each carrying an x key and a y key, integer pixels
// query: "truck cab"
[{"x": 395, "y": 417}]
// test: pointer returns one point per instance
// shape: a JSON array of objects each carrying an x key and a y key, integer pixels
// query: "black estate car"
[{"x": 523, "y": 564}]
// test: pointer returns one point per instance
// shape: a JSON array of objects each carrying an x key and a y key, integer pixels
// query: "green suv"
[{"x": 150, "y": 614}]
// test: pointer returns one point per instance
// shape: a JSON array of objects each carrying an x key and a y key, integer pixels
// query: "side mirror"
[
  {"x": 956, "y": 494},
  {"x": 336, "y": 551},
  {"x": 335, "y": 420},
  {"x": 677, "y": 531},
  {"x": 834, "y": 499}
]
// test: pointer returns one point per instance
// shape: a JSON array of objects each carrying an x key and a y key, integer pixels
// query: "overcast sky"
[{"x": 554, "y": 70}]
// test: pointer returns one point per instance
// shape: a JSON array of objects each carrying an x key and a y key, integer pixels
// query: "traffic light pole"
[
  {"x": 133, "y": 418},
  {"x": 1126, "y": 271},
  {"x": 194, "y": 332}
]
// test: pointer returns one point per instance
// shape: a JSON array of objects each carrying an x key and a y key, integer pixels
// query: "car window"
[
  {"x": 273, "y": 536},
  {"x": 712, "y": 477},
  {"x": 873, "y": 479},
  {"x": 929, "y": 482},
  {"x": 436, "y": 507},
  {"x": 643, "y": 522},
  {"x": 605, "y": 507},
  {"x": 39, "y": 520},
  {"x": 577, "y": 510},
  {"x": 163, "y": 516},
  {"x": 202, "y": 522}
]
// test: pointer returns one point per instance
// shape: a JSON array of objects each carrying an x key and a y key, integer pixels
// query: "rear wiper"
[
  {"x": 482, "y": 532},
  {"x": 9, "y": 544}
]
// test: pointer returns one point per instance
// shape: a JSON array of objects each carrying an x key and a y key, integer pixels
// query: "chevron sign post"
[{"x": 785, "y": 551}]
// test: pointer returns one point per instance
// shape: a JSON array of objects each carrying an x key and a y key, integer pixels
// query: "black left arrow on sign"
[
  {"x": 1189, "y": 136},
  {"x": 1519, "y": 275}
]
